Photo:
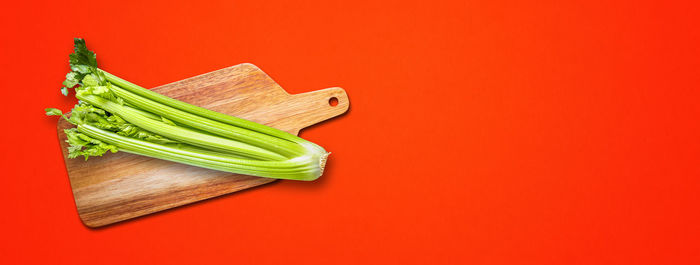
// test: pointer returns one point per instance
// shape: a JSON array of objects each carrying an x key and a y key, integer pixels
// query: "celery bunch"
[{"x": 115, "y": 115}]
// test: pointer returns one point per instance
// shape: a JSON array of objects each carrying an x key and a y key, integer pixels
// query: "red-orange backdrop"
[{"x": 480, "y": 132}]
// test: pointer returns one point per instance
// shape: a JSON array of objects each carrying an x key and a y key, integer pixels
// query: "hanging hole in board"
[{"x": 333, "y": 102}]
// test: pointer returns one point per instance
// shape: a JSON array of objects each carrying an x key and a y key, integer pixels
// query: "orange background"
[{"x": 479, "y": 132}]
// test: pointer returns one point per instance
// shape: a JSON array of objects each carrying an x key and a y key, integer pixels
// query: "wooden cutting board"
[{"x": 121, "y": 186}]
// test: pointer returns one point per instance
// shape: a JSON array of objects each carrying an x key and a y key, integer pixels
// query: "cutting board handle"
[{"x": 314, "y": 107}]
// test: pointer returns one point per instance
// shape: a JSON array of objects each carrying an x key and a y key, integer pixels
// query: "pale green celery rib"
[
  {"x": 243, "y": 123},
  {"x": 144, "y": 113},
  {"x": 158, "y": 118},
  {"x": 281, "y": 146},
  {"x": 301, "y": 168},
  {"x": 180, "y": 133}
]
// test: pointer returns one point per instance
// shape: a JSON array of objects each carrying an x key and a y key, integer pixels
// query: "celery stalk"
[
  {"x": 116, "y": 115},
  {"x": 232, "y": 120},
  {"x": 301, "y": 168},
  {"x": 289, "y": 149},
  {"x": 180, "y": 133}
]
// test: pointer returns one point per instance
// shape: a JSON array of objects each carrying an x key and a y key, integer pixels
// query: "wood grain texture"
[{"x": 121, "y": 186}]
